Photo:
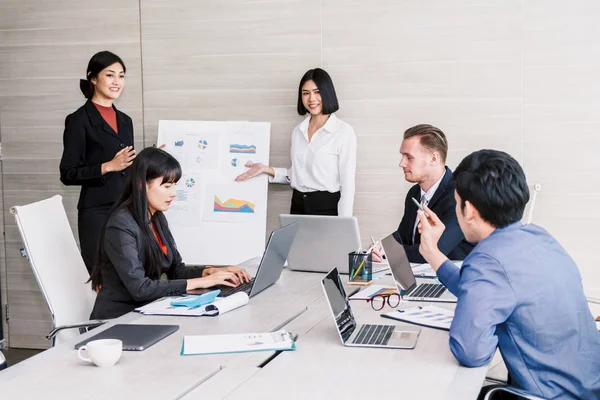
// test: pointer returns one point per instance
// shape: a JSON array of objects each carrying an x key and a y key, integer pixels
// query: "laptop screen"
[
  {"x": 273, "y": 260},
  {"x": 399, "y": 264},
  {"x": 340, "y": 308}
]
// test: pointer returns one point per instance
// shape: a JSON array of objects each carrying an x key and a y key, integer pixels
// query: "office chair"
[
  {"x": 2, "y": 361},
  {"x": 57, "y": 265},
  {"x": 528, "y": 214}
]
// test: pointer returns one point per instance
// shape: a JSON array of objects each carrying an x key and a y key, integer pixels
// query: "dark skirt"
[{"x": 90, "y": 223}]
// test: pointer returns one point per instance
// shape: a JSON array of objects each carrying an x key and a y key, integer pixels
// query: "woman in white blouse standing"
[{"x": 323, "y": 153}]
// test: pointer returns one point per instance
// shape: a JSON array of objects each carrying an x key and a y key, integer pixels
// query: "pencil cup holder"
[{"x": 360, "y": 267}]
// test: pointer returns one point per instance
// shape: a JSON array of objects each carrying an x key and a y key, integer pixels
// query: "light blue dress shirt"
[{"x": 520, "y": 291}]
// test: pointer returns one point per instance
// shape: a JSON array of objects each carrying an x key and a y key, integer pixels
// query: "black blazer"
[
  {"x": 452, "y": 243},
  {"x": 125, "y": 285},
  {"x": 88, "y": 142}
]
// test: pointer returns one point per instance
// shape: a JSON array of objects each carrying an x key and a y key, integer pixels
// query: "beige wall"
[
  {"x": 515, "y": 75},
  {"x": 44, "y": 50}
]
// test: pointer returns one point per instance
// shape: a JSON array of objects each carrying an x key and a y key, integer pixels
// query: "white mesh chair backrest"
[
  {"x": 533, "y": 194},
  {"x": 56, "y": 262}
]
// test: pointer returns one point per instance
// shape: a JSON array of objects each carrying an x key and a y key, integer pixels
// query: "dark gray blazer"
[{"x": 125, "y": 285}]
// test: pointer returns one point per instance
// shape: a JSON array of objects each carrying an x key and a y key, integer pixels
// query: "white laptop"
[
  {"x": 322, "y": 242},
  {"x": 405, "y": 279},
  {"x": 353, "y": 335}
]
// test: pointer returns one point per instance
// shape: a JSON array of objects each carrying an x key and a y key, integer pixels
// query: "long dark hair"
[
  {"x": 149, "y": 164},
  {"x": 97, "y": 63}
]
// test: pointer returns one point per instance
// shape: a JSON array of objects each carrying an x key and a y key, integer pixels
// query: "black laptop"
[{"x": 134, "y": 337}]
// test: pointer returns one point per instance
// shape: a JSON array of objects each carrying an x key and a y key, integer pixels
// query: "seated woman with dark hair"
[{"x": 136, "y": 246}]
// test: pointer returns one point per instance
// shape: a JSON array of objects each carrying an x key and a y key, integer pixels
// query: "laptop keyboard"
[
  {"x": 228, "y": 290},
  {"x": 374, "y": 334},
  {"x": 429, "y": 290}
]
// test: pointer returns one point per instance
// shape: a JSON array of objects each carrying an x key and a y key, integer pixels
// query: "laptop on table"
[
  {"x": 353, "y": 335},
  {"x": 322, "y": 241},
  {"x": 404, "y": 278},
  {"x": 271, "y": 264},
  {"x": 135, "y": 337}
]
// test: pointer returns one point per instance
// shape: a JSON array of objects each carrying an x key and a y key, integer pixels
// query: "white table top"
[
  {"x": 320, "y": 367},
  {"x": 160, "y": 372}
]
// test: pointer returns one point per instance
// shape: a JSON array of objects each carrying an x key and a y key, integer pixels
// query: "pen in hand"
[
  {"x": 375, "y": 246},
  {"x": 420, "y": 206}
]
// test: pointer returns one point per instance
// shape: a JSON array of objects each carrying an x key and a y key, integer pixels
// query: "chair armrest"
[
  {"x": 85, "y": 324},
  {"x": 509, "y": 389}
]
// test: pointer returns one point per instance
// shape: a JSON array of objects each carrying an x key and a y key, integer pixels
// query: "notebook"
[
  {"x": 220, "y": 306},
  {"x": 430, "y": 316},
  {"x": 237, "y": 343}
]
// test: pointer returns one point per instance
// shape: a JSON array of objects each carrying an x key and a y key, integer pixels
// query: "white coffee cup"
[{"x": 103, "y": 353}]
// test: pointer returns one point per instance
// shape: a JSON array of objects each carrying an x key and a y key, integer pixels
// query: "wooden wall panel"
[{"x": 44, "y": 51}]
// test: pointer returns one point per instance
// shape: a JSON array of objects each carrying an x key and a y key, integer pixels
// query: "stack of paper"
[
  {"x": 220, "y": 306},
  {"x": 237, "y": 343},
  {"x": 431, "y": 316}
]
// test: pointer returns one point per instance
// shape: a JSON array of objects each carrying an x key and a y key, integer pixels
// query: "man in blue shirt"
[{"x": 518, "y": 289}]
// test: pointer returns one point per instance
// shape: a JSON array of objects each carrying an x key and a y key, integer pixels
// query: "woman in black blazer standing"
[{"x": 98, "y": 148}]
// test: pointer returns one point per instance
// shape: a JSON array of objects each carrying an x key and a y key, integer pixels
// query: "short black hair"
[
  {"x": 494, "y": 183},
  {"x": 97, "y": 63},
  {"x": 323, "y": 81}
]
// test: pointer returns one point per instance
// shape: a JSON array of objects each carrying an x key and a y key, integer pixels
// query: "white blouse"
[{"x": 327, "y": 163}]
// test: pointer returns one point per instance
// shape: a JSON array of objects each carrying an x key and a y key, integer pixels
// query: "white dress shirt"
[
  {"x": 425, "y": 199},
  {"x": 327, "y": 163}
]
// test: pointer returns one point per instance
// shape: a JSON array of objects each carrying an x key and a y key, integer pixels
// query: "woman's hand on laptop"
[
  {"x": 214, "y": 278},
  {"x": 240, "y": 273},
  {"x": 431, "y": 229}
]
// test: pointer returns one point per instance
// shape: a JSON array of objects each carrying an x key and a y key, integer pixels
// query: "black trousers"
[
  {"x": 90, "y": 223},
  {"x": 315, "y": 203}
]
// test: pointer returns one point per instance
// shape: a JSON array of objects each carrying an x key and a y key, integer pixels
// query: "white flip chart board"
[{"x": 214, "y": 219}]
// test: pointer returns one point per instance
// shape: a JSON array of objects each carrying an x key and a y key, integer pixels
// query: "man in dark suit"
[{"x": 424, "y": 150}]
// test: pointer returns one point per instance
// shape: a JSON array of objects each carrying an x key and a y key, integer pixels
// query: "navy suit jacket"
[{"x": 452, "y": 243}]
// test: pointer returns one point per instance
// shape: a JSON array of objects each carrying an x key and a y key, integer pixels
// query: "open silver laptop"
[
  {"x": 353, "y": 335},
  {"x": 271, "y": 264},
  {"x": 322, "y": 242},
  {"x": 405, "y": 279}
]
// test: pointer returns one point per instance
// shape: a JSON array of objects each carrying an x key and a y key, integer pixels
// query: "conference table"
[{"x": 320, "y": 367}]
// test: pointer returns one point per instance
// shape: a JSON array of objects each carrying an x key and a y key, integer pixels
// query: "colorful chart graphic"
[
  {"x": 233, "y": 206},
  {"x": 242, "y": 148},
  {"x": 190, "y": 182},
  {"x": 179, "y": 143},
  {"x": 435, "y": 316},
  {"x": 234, "y": 162},
  {"x": 202, "y": 144}
]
